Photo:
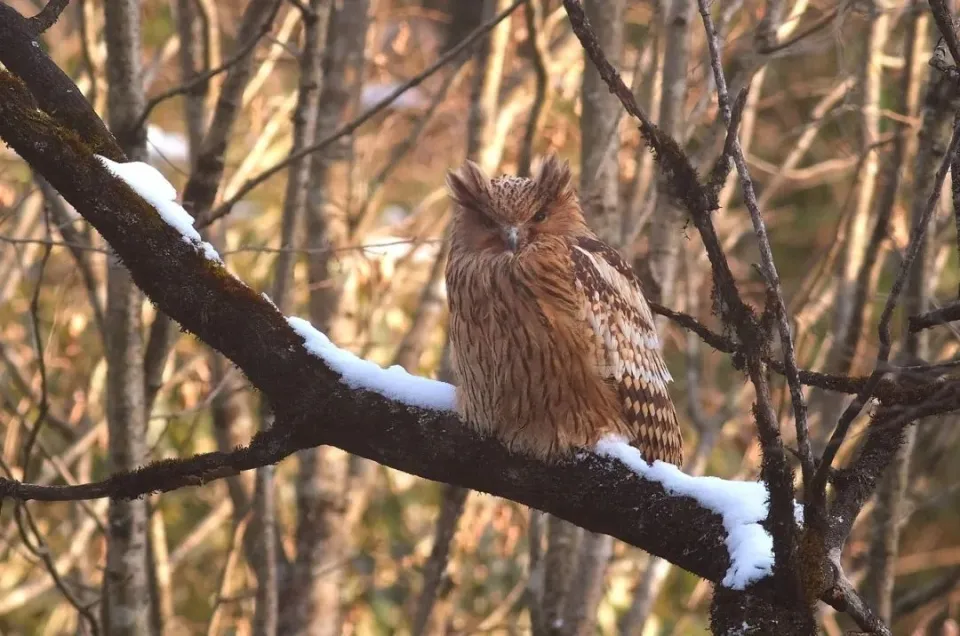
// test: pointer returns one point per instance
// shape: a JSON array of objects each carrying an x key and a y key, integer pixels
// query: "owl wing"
[{"x": 627, "y": 347}]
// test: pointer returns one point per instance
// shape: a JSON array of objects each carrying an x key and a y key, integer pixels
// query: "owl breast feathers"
[{"x": 552, "y": 340}]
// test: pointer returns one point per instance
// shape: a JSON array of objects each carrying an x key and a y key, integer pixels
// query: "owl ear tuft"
[
  {"x": 554, "y": 178},
  {"x": 468, "y": 186}
]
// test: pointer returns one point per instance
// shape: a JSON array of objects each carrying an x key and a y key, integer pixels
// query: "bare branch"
[
  {"x": 766, "y": 253},
  {"x": 48, "y": 16},
  {"x": 949, "y": 313},
  {"x": 224, "y": 208},
  {"x": 883, "y": 355},
  {"x": 942, "y": 16},
  {"x": 202, "y": 78},
  {"x": 721, "y": 169},
  {"x": 843, "y": 597}
]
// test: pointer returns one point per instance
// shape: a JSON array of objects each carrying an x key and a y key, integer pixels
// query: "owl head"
[{"x": 512, "y": 214}]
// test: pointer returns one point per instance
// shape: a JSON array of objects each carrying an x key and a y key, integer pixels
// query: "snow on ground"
[
  {"x": 150, "y": 184},
  {"x": 393, "y": 383},
  {"x": 741, "y": 504}
]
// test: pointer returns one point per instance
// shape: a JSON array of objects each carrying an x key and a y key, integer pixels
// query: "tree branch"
[
  {"x": 48, "y": 16},
  {"x": 699, "y": 201},
  {"x": 883, "y": 355},
  {"x": 53, "y": 90},
  {"x": 941, "y": 15},
  {"x": 311, "y": 405},
  {"x": 201, "y": 78},
  {"x": 224, "y": 208},
  {"x": 950, "y": 313}
]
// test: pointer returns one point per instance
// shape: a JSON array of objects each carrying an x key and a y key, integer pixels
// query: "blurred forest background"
[{"x": 845, "y": 124}]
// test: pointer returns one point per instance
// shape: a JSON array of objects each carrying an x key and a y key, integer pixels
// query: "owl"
[{"x": 552, "y": 341}]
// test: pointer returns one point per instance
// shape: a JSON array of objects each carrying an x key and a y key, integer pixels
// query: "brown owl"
[{"x": 552, "y": 340}]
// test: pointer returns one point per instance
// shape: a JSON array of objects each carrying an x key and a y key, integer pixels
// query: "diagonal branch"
[
  {"x": 312, "y": 406},
  {"x": 768, "y": 267},
  {"x": 942, "y": 16},
  {"x": 699, "y": 201},
  {"x": 224, "y": 208},
  {"x": 202, "y": 78},
  {"x": 883, "y": 355},
  {"x": 54, "y": 91}
]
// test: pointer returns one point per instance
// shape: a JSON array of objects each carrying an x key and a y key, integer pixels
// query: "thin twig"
[
  {"x": 41, "y": 362},
  {"x": 368, "y": 213},
  {"x": 917, "y": 233},
  {"x": 48, "y": 16},
  {"x": 201, "y": 78},
  {"x": 822, "y": 21},
  {"x": 533, "y": 13},
  {"x": 768, "y": 266},
  {"x": 348, "y": 128},
  {"x": 22, "y": 514}
]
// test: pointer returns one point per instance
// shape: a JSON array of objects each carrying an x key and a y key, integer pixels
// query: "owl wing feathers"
[{"x": 627, "y": 347}]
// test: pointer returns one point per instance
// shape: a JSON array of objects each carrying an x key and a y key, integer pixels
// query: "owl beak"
[{"x": 512, "y": 235}]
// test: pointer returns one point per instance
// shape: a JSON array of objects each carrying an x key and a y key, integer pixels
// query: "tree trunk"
[
  {"x": 941, "y": 101},
  {"x": 735, "y": 613},
  {"x": 573, "y": 578},
  {"x": 665, "y": 226},
  {"x": 126, "y": 604},
  {"x": 322, "y": 478}
]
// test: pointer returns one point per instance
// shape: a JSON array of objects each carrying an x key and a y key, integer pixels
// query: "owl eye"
[{"x": 541, "y": 215}]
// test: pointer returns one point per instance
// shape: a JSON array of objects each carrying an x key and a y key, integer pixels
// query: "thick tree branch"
[
  {"x": 54, "y": 92},
  {"x": 312, "y": 406}
]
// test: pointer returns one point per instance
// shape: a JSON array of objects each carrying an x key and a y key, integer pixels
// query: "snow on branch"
[
  {"x": 394, "y": 383},
  {"x": 312, "y": 386},
  {"x": 743, "y": 506},
  {"x": 154, "y": 188}
]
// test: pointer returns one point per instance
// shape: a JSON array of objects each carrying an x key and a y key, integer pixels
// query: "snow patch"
[
  {"x": 394, "y": 383},
  {"x": 741, "y": 504},
  {"x": 154, "y": 188},
  {"x": 269, "y": 300}
]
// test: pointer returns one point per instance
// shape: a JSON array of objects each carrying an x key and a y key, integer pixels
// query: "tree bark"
[
  {"x": 322, "y": 479},
  {"x": 665, "y": 226},
  {"x": 573, "y": 589},
  {"x": 126, "y": 603},
  {"x": 942, "y": 100}
]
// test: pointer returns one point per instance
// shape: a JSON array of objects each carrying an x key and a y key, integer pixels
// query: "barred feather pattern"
[
  {"x": 628, "y": 348},
  {"x": 552, "y": 341}
]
